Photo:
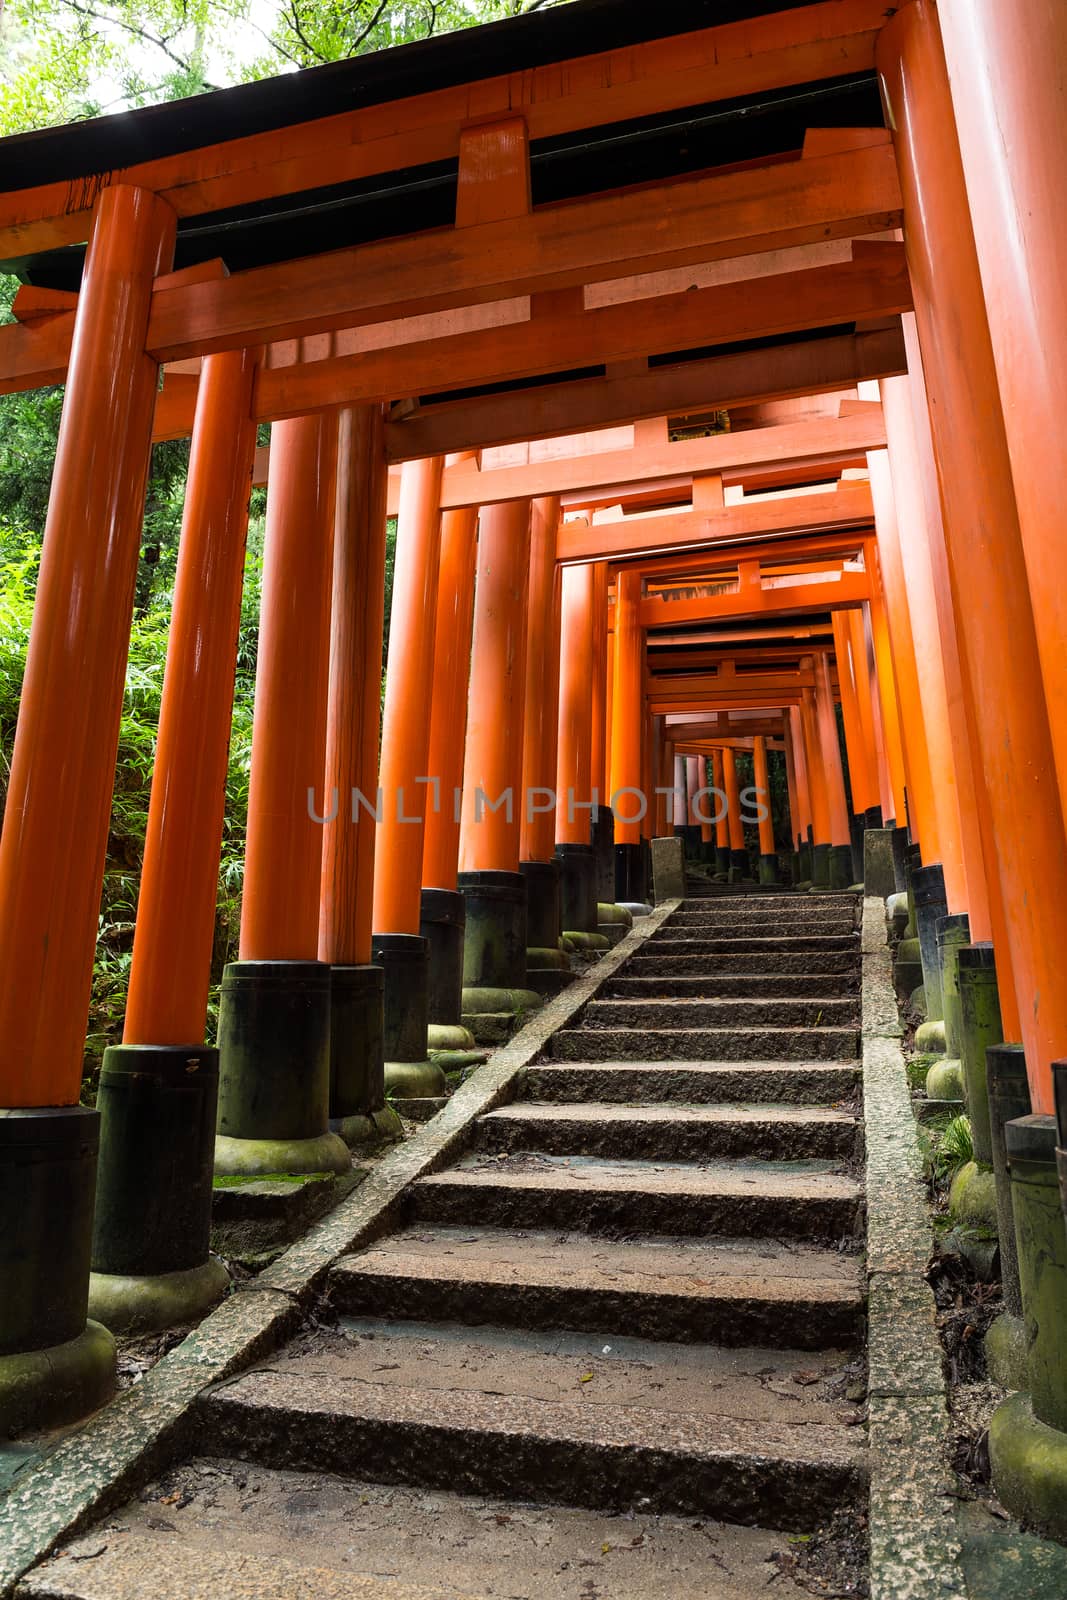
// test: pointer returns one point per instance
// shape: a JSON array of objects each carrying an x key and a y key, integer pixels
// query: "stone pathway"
[{"x": 613, "y": 1353}]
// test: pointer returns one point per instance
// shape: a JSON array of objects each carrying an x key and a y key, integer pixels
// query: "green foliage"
[{"x": 955, "y": 1148}]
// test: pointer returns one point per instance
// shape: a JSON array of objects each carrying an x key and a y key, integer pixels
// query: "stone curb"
[
  {"x": 134, "y": 1437},
  {"x": 915, "y": 1546}
]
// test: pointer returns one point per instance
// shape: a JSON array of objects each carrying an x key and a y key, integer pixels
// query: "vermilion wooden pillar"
[
  {"x": 860, "y": 758},
  {"x": 1001, "y": 665},
  {"x": 1006, "y": 66},
  {"x": 840, "y": 832},
  {"x": 358, "y": 1110},
  {"x": 870, "y": 717},
  {"x": 494, "y": 961},
  {"x": 805, "y": 829},
  {"x": 735, "y": 828},
  {"x": 722, "y": 826},
  {"x": 885, "y": 684},
  {"x": 397, "y": 944},
  {"x": 159, "y": 1088},
  {"x": 603, "y": 828},
  {"x": 537, "y": 844},
  {"x": 794, "y": 803},
  {"x": 574, "y": 770},
  {"x": 768, "y": 864},
  {"x": 817, "y": 790},
  {"x": 274, "y": 1013},
  {"x": 54, "y": 841},
  {"x": 921, "y": 809},
  {"x": 628, "y": 713},
  {"x": 442, "y": 919},
  {"x": 934, "y": 641}
]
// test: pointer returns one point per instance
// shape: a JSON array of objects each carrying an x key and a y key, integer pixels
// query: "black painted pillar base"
[
  {"x": 840, "y": 866},
  {"x": 274, "y": 1071},
  {"x": 54, "y": 1364},
  {"x": 577, "y": 887},
  {"x": 857, "y": 827},
  {"x": 604, "y": 851},
  {"x": 358, "y": 1110},
  {"x": 152, "y": 1263},
  {"x": 442, "y": 923},
  {"x": 900, "y": 845},
  {"x": 930, "y": 906},
  {"x": 494, "y": 945},
  {"x": 722, "y": 862},
  {"x": 409, "y": 1072},
  {"x": 820, "y": 866},
  {"x": 872, "y": 817},
  {"x": 739, "y": 866},
  {"x": 768, "y": 869},
  {"x": 631, "y": 876}
]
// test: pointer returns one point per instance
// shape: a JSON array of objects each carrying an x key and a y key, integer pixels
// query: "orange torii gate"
[{"x": 512, "y": 312}]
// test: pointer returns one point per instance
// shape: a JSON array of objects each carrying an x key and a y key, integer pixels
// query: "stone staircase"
[{"x": 613, "y": 1351}]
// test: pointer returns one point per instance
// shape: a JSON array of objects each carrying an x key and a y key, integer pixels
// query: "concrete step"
[
  {"x": 232, "y": 1530},
  {"x": 686, "y": 941},
  {"x": 754, "y": 986},
  {"x": 705, "y": 1044},
  {"x": 671, "y": 1011},
  {"x": 670, "y": 1132},
  {"x": 788, "y": 1200},
  {"x": 677, "y": 961},
  {"x": 722, "y": 1291},
  {"x": 548, "y": 1418},
  {"x": 694, "y": 1082}
]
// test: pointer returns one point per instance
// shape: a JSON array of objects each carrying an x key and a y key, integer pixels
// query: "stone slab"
[{"x": 668, "y": 869}]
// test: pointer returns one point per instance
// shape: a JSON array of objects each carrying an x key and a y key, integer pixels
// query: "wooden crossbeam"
[
  {"x": 743, "y": 378},
  {"x": 556, "y": 247},
  {"x": 851, "y": 589},
  {"x": 692, "y": 685},
  {"x": 849, "y": 507},
  {"x": 820, "y": 441},
  {"x": 823, "y": 40}
]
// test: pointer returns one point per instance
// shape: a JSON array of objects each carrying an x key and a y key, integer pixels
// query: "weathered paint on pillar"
[
  {"x": 353, "y": 717},
  {"x": 408, "y": 699},
  {"x": 171, "y": 967},
  {"x": 1001, "y": 665},
  {"x": 448, "y": 713},
  {"x": 1006, "y": 70},
  {"x": 283, "y": 854}
]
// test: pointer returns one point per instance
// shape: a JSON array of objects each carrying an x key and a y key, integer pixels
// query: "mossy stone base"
[
  {"x": 414, "y": 1080},
  {"x": 587, "y": 941},
  {"x": 516, "y": 1001},
  {"x": 917, "y": 1001},
  {"x": 539, "y": 959},
  {"x": 258, "y": 1158},
  {"x": 614, "y": 913},
  {"x": 944, "y": 1081},
  {"x": 1029, "y": 1466},
  {"x": 129, "y": 1304},
  {"x": 375, "y": 1127},
  {"x": 1006, "y": 1351},
  {"x": 448, "y": 1036},
  {"x": 896, "y": 911},
  {"x": 930, "y": 1040},
  {"x": 42, "y": 1388},
  {"x": 972, "y": 1199}
]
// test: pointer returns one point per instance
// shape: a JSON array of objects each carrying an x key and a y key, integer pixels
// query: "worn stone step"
[
  {"x": 784, "y": 900},
  {"x": 755, "y": 986},
  {"x": 219, "y": 1529},
  {"x": 772, "y": 922},
  {"x": 670, "y": 1132},
  {"x": 683, "y": 941},
  {"x": 722, "y": 1291},
  {"x": 777, "y": 1199},
  {"x": 679, "y": 961},
  {"x": 676, "y": 1011},
  {"x": 510, "y": 1415},
  {"x": 701, "y": 1082},
  {"x": 705, "y": 1044}
]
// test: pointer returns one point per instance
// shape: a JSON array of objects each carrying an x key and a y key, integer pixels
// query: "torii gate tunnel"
[{"x": 712, "y": 358}]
